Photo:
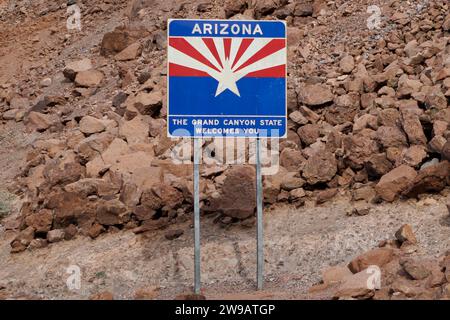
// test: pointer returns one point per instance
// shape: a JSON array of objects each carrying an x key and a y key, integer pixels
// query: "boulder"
[
  {"x": 173, "y": 234},
  {"x": 319, "y": 168},
  {"x": 233, "y": 7},
  {"x": 238, "y": 195},
  {"x": 298, "y": 117},
  {"x": 347, "y": 64},
  {"x": 70, "y": 208},
  {"x": 22, "y": 240},
  {"x": 416, "y": 270},
  {"x": 395, "y": 182},
  {"x": 413, "y": 128},
  {"x": 55, "y": 235},
  {"x": 39, "y": 121},
  {"x": 446, "y": 151},
  {"x": 92, "y": 146},
  {"x": 131, "y": 52},
  {"x": 358, "y": 149},
  {"x": 303, "y": 8},
  {"x": 90, "y": 125},
  {"x": 112, "y": 212},
  {"x": 162, "y": 195},
  {"x": 406, "y": 233},
  {"x": 412, "y": 156},
  {"x": 309, "y": 133},
  {"x": 315, "y": 94},
  {"x": 119, "y": 39},
  {"x": 292, "y": 159},
  {"x": 378, "y": 257},
  {"x": 335, "y": 274},
  {"x": 73, "y": 68},
  {"x": 430, "y": 179},
  {"x": 89, "y": 78},
  {"x": 148, "y": 103},
  {"x": 41, "y": 221},
  {"x": 135, "y": 130},
  {"x": 378, "y": 165},
  {"x": 291, "y": 181},
  {"x": 391, "y": 137},
  {"x": 355, "y": 286}
]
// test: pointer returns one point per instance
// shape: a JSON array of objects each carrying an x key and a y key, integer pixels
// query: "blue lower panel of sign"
[
  {"x": 197, "y": 96},
  {"x": 225, "y": 126}
]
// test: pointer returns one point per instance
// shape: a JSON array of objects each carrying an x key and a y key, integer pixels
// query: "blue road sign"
[{"x": 226, "y": 78}]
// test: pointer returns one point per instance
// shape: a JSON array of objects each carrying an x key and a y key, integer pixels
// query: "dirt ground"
[{"x": 299, "y": 243}]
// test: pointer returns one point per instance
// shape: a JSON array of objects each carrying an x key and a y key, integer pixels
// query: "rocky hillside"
[{"x": 368, "y": 109}]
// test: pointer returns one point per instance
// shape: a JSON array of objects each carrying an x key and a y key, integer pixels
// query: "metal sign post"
[
  {"x": 197, "y": 152},
  {"x": 259, "y": 218}
]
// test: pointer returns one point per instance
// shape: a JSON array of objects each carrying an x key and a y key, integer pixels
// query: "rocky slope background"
[{"x": 368, "y": 116}]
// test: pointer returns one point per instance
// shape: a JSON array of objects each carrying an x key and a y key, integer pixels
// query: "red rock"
[
  {"x": 291, "y": 159},
  {"x": 89, "y": 78},
  {"x": 412, "y": 156},
  {"x": 391, "y": 137},
  {"x": 446, "y": 151},
  {"x": 233, "y": 7},
  {"x": 173, "y": 234},
  {"x": 95, "y": 230},
  {"x": 395, "y": 182},
  {"x": 430, "y": 179},
  {"x": 335, "y": 274},
  {"x": 378, "y": 257},
  {"x": 309, "y": 133},
  {"x": 90, "y": 125},
  {"x": 321, "y": 167},
  {"x": 106, "y": 295},
  {"x": 147, "y": 293},
  {"x": 405, "y": 233},
  {"x": 315, "y": 94},
  {"x": 131, "y": 52},
  {"x": 347, "y": 64},
  {"x": 55, "y": 235},
  {"x": 70, "y": 208},
  {"x": 355, "y": 286},
  {"x": 413, "y": 128},
  {"x": 238, "y": 195},
  {"x": 416, "y": 270},
  {"x": 22, "y": 240},
  {"x": 73, "y": 68},
  {"x": 41, "y": 221},
  {"x": 325, "y": 195},
  {"x": 378, "y": 165},
  {"x": 162, "y": 195},
  {"x": 39, "y": 121},
  {"x": 148, "y": 103},
  {"x": 112, "y": 213}
]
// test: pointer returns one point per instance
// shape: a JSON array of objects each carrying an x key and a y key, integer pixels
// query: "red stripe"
[
  {"x": 227, "y": 47},
  {"x": 245, "y": 43},
  {"x": 176, "y": 70},
  {"x": 272, "y": 47},
  {"x": 180, "y": 71},
  {"x": 212, "y": 47},
  {"x": 182, "y": 45},
  {"x": 273, "y": 72}
]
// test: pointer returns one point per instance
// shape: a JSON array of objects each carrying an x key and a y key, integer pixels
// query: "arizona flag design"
[{"x": 226, "y": 78}]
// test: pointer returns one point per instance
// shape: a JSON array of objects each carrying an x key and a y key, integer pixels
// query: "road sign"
[{"x": 226, "y": 78}]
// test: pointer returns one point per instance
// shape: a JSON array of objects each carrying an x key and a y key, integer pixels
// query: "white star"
[{"x": 227, "y": 80}]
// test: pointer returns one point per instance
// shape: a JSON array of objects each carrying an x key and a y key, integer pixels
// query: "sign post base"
[
  {"x": 197, "y": 152},
  {"x": 259, "y": 219}
]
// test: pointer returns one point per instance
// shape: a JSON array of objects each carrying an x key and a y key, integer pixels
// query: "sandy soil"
[{"x": 299, "y": 243}]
